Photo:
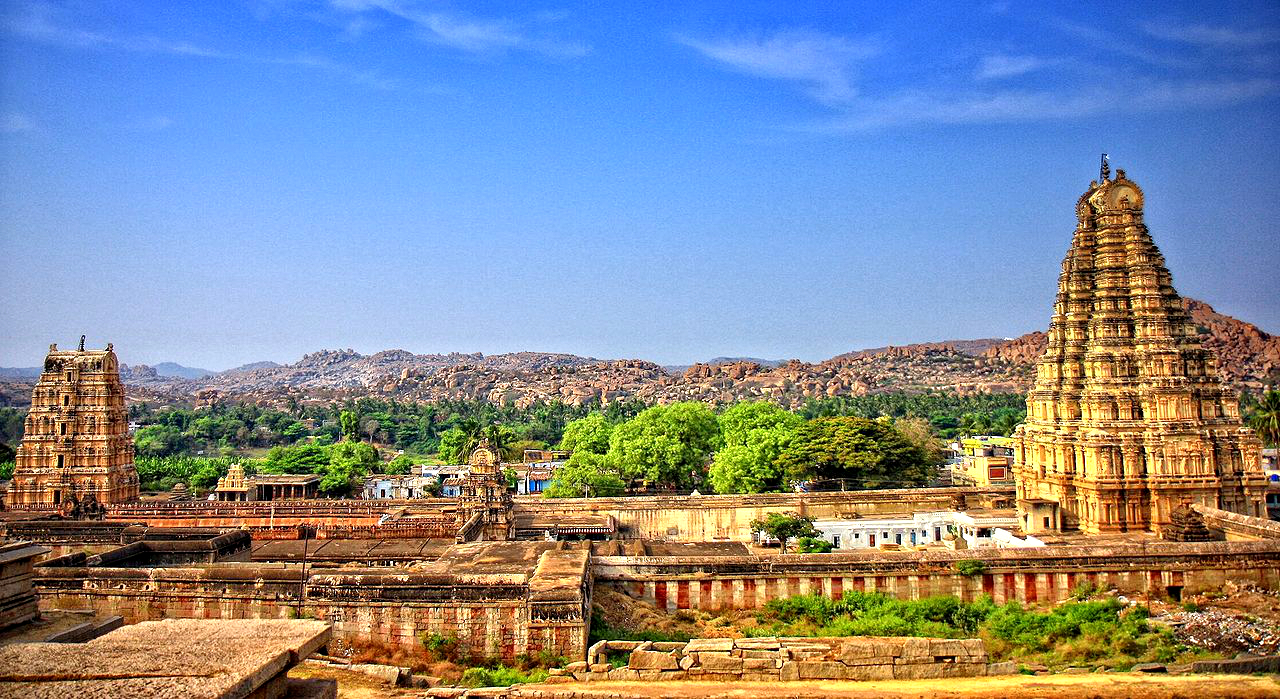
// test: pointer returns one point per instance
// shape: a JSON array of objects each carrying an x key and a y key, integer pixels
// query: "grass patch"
[
  {"x": 500, "y": 676},
  {"x": 1103, "y": 632},
  {"x": 602, "y": 631}
]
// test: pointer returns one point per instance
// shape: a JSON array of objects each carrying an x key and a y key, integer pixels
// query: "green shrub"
[
  {"x": 970, "y": 567},
  {"x": 500, "y": 676},
  {"x": 440, "y": 647},
  {"x": 809, "y": 544}
]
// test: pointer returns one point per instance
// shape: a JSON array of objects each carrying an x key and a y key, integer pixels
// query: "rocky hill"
[{"x": 1248, "y": 358}]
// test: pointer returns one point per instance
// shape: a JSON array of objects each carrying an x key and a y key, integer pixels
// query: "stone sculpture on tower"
[{"x": 1128, "y": 419}]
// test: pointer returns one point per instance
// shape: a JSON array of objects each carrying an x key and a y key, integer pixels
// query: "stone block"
[
  {"x": 710, "y": 645},
  {"x": 716, "y": 662},
  {"x": 687, "y": 661},
  {"x": 599, "y": 667},
  {"x": 620, "y": 645},
  {"x": 770, "y": 654},
  {"x": 964, "y": 669},
  {"x": 918, "y": 671},
  {"x": 760, "y": 643},
  {"x": 1149, "y": 668},
  {"x": 558, "y": 679},
  {"x": 870, "y": 647},
  {"x": 667, "y": 646},
  {"x": 579, "y": 666},
  {"x": 446, "y": 692},
  {"x": 623, "y": 673},
  {"x": 760, "y": 676},
  {"x": 758, "y": 664},
  {"x": 789, "y": 672},
  {"x": 1008, "y": 667},
  {"x": 653, "y": 660},
  {"x": 823, "y": 670},
  {"x": 870, "y": 672}
]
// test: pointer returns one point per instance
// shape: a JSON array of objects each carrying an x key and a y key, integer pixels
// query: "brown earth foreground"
[
  {"x": 1101, "y": 686},
  {"x": 1005, "y": 687}
]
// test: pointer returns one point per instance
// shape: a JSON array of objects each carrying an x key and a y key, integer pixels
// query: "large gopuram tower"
[
  {"x": 76, "y": 441},
  {"x": 1128, "y": 419}
]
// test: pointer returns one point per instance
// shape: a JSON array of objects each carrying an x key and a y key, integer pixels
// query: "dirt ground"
[{"x": 1006, "y": 687}]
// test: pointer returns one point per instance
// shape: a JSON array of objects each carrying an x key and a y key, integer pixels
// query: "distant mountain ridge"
[{"x": 1248, "y": 358}]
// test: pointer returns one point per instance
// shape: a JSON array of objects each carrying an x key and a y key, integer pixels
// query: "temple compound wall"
[
  {"x": 729, "y": 517},
  {"x": 497, "y": 600},
  {"x": 76, "y": 444},
  {"x": 1049, "y": 574},
  {"x": 1128, "y": 419}
]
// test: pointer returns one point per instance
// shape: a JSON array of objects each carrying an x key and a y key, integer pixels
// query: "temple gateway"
[
  {"x": 76, "y": 446},
  {"x": 1128, "y": 420}
]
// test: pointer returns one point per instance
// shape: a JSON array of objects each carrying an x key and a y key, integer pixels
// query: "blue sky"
[{"x": 218, "y": 183}]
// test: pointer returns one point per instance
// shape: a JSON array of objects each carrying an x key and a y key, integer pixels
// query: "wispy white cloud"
[
  {"x": 998, "y": 66},
  {"x": 38, "y": 24},
  {"x": 826, "y": 63},
  {"x": 471, "y": 35},
  {"x": 1010, "y": 106},
  {"x": 15, "y": 123},
  {"x": 1210, "y": 36}
]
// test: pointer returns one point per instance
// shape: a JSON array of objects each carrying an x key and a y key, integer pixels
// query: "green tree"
[
  {"x": 870, "y": 453},
  {"x": 589, "y": 434},
  {"x": 755, "y": 435},
  {"x": 350, "y": 423},
  {"x": 399, "y": 465},
  {"x": 349, "y": 464},
  {"x": 585, "y": 474},
  {"x": 452, "y": 443},
  {"x": 1265, "y": 418},
  {"x": 158, "y": 440},
  {"x": 785, "y": 527},
  {"x": 666, "y": 445},
  {"x": 298, "y": 459}
]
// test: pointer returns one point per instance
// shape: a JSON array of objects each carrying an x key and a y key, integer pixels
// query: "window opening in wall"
[
  {"x": 1046, "y": 522},
  {"x": 62, "y": 428},
  {"x": 60, "y": 460},
  {"x": 835, "y": 541}
]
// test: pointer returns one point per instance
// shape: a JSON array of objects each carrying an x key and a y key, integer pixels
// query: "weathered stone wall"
[
  {"x": 728, "y": 517},
  {"x": 787, "y": 659},
  {"x": 1027, "y": 575},
  {"x": 492, "y": 614},
  {"x": 1237, "y": 527}
]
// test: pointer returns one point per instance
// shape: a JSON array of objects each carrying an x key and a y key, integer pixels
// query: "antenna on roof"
[{"x": 1106, "y": 169}]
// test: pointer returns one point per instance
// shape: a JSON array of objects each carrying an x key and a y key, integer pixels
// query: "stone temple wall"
[
  {"x": 492, "y": 614},
  {"x": 728, "y": 517},
  {"x": 1025, "y": 575}
]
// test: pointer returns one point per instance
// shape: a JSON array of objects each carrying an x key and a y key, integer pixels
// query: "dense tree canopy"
[
  {"x": 755, "y": 434},
  {"x": 586, "y": 474},
  {"x": 868, "y": 453},
  {"x": 666, "y": 444},
  {"x": 588, "y": 434}
]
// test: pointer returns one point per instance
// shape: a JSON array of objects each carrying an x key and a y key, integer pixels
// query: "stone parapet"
[
  {"x": 770, "y": 659},
  {"x": 1237, "y": 527},
  {"x": 1045, "y": 574}
]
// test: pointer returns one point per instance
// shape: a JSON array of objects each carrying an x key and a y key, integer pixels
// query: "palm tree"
[{"x": 1265, "y": 418}]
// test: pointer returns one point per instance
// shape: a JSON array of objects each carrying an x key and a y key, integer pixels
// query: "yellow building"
[{"x": 984, "y": 461}]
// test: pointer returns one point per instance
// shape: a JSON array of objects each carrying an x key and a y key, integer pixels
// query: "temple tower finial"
[
  {"x": 1105, "y": 172},
  {"x": 82, "y": 343}
]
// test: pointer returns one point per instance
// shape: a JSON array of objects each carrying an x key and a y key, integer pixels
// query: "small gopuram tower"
[
  {"x": 1128, "y": 419},
  {"x": 485, "y": 491},
  {"x": 76, "y": 445}
]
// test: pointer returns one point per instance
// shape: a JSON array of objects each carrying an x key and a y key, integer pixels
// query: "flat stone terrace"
[
  {"x": 343, "y": 551},
  {"x": 170, "y": 658}
]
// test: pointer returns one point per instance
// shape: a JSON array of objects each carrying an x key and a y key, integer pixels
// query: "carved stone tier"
[
  {"x": 1127, "y": 419},
  {"x": 76, "y": 446}
]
